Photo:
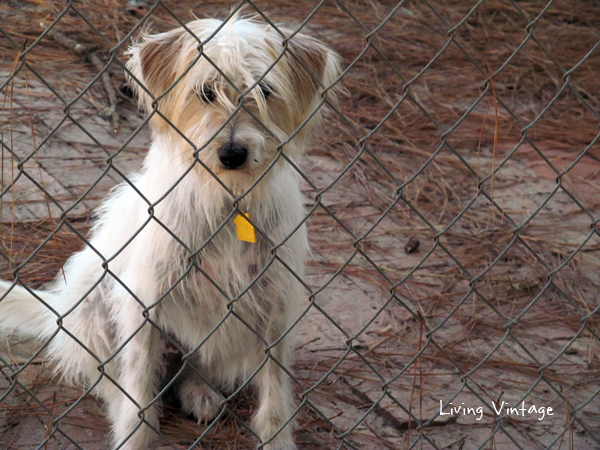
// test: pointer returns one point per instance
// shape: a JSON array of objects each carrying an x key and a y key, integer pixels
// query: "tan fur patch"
[
  {"x": 158, "y": 59},
  {"x": 308, "y": 55}
]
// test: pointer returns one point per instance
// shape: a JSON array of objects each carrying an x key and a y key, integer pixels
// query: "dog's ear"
[
  {"x": 310, "y": 58},
  {"x": 153, "y": 64}
]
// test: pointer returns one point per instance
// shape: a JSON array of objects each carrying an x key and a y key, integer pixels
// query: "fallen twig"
[
  {"x": 388, "y": 416},
  {"x": 89, "y": 53}
]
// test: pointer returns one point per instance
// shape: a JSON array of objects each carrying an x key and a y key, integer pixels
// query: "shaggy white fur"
[{"x": 164, "y": 261}]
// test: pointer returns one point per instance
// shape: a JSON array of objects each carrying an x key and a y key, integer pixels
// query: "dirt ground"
[{"x": 498, "y": 301}]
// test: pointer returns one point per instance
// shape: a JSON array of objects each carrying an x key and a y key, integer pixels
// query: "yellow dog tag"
[{"x": 245, "y": 230}]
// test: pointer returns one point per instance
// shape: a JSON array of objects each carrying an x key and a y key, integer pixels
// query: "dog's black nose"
[{"x": 233, "y": 156}]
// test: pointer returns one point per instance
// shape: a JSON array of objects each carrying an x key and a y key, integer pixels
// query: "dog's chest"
[{"x": 223, "y": 274}]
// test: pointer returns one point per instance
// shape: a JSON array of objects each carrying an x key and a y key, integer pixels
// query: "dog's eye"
[
  {"x": 266, "y": 90},
  {"x": 207, "y": 94}
]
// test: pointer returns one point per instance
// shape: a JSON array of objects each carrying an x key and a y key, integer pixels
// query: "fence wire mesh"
[{"x": 451, "y": 203}]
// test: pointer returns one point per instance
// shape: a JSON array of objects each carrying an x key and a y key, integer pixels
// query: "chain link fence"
[{"x": 452, "y": 204}]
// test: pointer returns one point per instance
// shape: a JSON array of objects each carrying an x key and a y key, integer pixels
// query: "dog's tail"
[{"x": 21, "y": 312}]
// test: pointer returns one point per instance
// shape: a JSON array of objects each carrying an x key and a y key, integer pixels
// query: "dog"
[{"x": 204, "y": 249}]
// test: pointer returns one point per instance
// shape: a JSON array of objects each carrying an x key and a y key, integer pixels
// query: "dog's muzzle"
[{"x": 233, "y": 156}]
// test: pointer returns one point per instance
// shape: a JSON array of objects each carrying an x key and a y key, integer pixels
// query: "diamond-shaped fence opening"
[{"x": 450, "y": 300}]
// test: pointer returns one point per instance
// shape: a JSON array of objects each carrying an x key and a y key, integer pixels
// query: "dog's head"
[{"x": 236, "y": 90}]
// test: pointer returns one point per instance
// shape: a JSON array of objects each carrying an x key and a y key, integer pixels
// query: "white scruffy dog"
[{"x": 171, "y": 256}]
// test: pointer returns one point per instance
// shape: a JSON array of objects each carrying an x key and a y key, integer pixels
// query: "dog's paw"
[
  {"x": 288, "y": 445},
  {"x": 199, "y": 400}
]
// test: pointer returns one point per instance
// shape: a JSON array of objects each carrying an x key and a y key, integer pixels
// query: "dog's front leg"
[
  {"x": 133, "y": 416},
  {"x": 276, "y": 405}
]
